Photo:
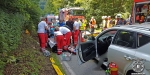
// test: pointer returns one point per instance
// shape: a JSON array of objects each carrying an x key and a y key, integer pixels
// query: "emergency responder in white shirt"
[
  {"x": 59, "y": 39},
  {"x": 76, "y": 27},
  {"x": 42, "y": 27},
  {"x": 67, "y": 35}
]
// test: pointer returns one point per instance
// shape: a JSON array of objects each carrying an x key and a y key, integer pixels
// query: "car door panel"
[
  {"x": 88, "y": 50},
  {"x": 122, "y": 53},
  {"x": 142, "y": 52},
  {"x": 85, "y": 50},
  {"x": 120, "y": 56}
]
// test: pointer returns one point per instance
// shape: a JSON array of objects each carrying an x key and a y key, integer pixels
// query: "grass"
[
  {"x": 30, "y": 60},
  {"x": 58, "y": 63}
]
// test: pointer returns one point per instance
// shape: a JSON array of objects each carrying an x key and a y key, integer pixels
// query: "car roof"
[{"x": 137, "y": 28}]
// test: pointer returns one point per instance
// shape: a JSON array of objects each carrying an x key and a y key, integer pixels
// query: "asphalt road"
[{"x": 72, "y": 67}]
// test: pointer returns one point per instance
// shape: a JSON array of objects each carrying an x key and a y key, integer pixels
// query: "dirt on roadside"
[{"x": 29, "y": 59}]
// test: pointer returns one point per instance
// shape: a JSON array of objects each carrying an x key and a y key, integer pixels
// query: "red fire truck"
[
  {"x": 73, "y": 12},
  {"x": 141, "y": 11}
]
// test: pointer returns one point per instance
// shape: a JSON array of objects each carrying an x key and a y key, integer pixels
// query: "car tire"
[{"x": 130, "y": 72}]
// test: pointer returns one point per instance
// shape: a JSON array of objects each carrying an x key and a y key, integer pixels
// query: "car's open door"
[{"x": 86, "y": 50}]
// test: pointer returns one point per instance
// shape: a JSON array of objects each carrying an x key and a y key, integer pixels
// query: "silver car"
[{"x": 128, "y": 46}]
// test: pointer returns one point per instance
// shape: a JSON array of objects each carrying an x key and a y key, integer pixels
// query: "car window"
[
  {"x": 142, "y": 39},
  {"x": 108, "y": 33},
  {"x": 125, "y": 38}
]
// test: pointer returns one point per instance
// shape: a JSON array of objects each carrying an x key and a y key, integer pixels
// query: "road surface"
[{"x": 73, "y": 68}]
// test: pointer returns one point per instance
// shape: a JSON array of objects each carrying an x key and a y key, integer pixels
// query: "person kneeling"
[{"x": 58, "y": 38}]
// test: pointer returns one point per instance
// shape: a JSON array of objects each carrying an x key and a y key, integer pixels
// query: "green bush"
[
  {"x": 10, "y": 30},
  {"x": 15, "y": 17}
]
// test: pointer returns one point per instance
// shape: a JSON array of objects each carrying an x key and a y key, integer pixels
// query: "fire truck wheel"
[{"x": 130, "y": 72}]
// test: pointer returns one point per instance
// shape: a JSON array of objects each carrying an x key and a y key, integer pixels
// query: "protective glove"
[{"x": 46, "y": 53}]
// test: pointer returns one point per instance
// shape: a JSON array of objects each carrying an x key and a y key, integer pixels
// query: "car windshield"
[{"x": 77, "y": 12}]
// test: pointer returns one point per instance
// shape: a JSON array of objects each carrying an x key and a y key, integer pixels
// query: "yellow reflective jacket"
[{"x": 83, "y": 25}]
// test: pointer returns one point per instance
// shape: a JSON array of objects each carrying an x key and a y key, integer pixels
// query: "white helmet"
[{"x": 119, "y": 16}]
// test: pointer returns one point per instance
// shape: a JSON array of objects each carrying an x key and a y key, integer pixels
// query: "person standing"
[
  {"x": 83, "y": 25},
  {"x": 92, "y": 24},
  {"x": 81, "y": 29},
  {"x": 67, "y": 35},
  {"x": 103, "y": 22},
  {"x": 69, "y": 23},
  {"x": 129, "y": 20},
  {"x": 61, "y": 23},
  {"x": 80, "y": 22},
  {"x": 109, "y": 23},
  {"x": 42, "y": 27},
  {"x": 121, "y": 21},
  {"x": 76, "y": 27},
  {"x": 84, "y": 22},
  {"x": 106, "y": 23},
  {"x": 59, "y": 39}
]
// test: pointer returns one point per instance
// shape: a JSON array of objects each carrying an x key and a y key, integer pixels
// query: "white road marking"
[{"x": 69, "y": 68}]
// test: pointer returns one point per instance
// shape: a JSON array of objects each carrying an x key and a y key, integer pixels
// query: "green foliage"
[
  {"x": 52, "y": 6},
  {"x": 32, "y": 62},
  {"x": 96, "y": 8},
  {"x": 99, "y": 8},
  {"x": 2, "y": 64},
  {"x": 15, "y": 17},
  {"x": 11, "y": 28}
]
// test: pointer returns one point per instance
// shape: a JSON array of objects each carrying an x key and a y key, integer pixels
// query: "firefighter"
[
  {"x": 67, "y": 35},
  {"x": 83, "y": 25},
  {"x": 76, "y": 27},
  {"x": 92, "y": 24},
  {"x": 109, "y": 23},
  {"x": 83, "y": 29},
  {"x": 103, "y": 21},
  {"x": 59, "y": 39}
]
